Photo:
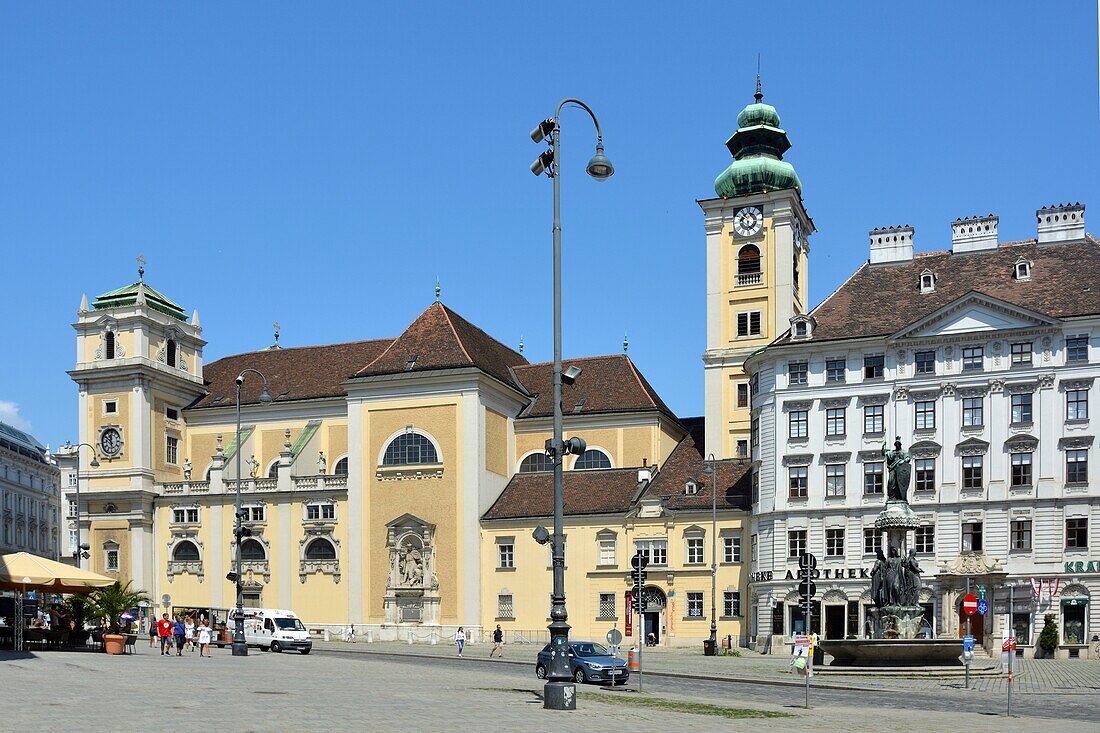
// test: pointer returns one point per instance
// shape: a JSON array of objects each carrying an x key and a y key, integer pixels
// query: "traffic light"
[{"x": 638, "y": 576}]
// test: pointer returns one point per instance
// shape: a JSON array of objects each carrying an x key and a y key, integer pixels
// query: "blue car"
[{"x": 588, "y": 662}]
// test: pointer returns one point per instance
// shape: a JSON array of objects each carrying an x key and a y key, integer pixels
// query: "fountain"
[{"x": 895, "y": 589}]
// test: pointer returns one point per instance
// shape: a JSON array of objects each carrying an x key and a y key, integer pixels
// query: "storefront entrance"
[
  {"x": 834, "y": 621},
  {"x": 652, "y": 627},
  {"x": 977, "y": 626}
]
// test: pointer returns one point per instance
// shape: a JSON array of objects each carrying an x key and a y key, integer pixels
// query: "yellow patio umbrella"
[{"x": 24, "y": 571}]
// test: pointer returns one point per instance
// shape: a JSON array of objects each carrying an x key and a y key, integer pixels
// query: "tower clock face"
[
  {"x": 110, "y": 442},
  {"x": 748, "y": 221}
]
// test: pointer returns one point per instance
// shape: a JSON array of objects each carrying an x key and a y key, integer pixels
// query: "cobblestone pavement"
[{"x": 92, "y": 692}]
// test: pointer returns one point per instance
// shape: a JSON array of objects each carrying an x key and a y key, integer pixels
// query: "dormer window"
[
  {"x": 691, "y": 488},
  {"x": 927, "y": 282},
  {"x": 802, "y": 327},
  {"x": 1023, "y": 269}
]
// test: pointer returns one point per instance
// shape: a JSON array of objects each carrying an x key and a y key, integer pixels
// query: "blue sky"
[{"x": 321, "y": 164}]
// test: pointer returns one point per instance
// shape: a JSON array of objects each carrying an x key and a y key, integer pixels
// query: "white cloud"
[{"x": 9, "y": 413}]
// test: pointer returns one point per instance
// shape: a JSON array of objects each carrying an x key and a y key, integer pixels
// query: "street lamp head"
[
  {"x": 600, "y": 167},
  {"x": 94, "y": 463},
  {"x": 265, "y": 396},
  {"x": 541, "y": 130},
  {"x": 543, "y": 163}
]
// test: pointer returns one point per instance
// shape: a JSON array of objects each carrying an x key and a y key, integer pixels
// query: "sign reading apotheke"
[
  {"x": 764, "y": 576},
  {"x": 1092, "y": 566}
]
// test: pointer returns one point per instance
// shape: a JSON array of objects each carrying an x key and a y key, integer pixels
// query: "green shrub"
[{"x": 1048, "y": 637}]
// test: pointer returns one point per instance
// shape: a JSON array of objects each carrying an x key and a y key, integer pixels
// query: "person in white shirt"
[
  {"x": 349, "y": 633},
  {"x": 204, "y": 639},
  {"x": 460, "y": 640}
]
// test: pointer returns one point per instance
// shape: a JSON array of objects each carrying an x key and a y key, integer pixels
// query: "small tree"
[
  {"x": 1048, "y": 637},
  {"x": 113, "y": 601}
]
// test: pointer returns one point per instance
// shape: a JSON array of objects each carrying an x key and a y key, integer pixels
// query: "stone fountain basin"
[{"x": 894, "y": 652}]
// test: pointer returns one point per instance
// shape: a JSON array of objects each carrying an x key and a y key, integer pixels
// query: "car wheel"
[
  {"x": 305, "y": 651},
  {"x": 275, "y": 647},
  {"x": 578, "y": 676},
  {"x": 540, "y": 671}
]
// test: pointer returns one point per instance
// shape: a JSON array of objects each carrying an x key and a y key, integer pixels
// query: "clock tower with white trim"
[{"x": 757, "y": 250}]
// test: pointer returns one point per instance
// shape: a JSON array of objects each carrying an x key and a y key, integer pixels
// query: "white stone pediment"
[{"x": 975, "y": 313}]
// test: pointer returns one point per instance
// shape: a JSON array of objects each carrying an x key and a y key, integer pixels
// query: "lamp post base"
[
  {"x": 240, "y": 649},
  {"x": 559, "y": 696}
]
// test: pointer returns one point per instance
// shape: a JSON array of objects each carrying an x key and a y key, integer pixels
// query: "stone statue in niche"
[{"x": 411, "y": 567}]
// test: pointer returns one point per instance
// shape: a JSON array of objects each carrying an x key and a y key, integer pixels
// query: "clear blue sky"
[{"x": 321, "y": 164}]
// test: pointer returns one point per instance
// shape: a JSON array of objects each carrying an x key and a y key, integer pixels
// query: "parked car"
[{"x": 588, "y": 662}]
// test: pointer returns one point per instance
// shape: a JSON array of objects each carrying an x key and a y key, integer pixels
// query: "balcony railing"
[
  {"x": 251, "y": 485},
  {"x": 749, "y": 278}
]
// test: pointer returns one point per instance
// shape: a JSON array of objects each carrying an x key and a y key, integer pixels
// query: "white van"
[{"x": 273, "y": 629}]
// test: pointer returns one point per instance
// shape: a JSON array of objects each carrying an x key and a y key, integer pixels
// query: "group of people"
[
  {"x": 498, "y": 642},
  {"x": 183, "y": 633}
]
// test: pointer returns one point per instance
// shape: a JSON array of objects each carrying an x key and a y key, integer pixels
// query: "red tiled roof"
[
  {"x": 686, "y": 463},
  {"x": 586, "y": 492},
  {"x": 305, "y": 372},
  {"x": 606, "y": 384}
]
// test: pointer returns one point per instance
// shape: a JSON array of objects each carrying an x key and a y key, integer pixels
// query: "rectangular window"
[
  {"x": 731, "y": 549},
  {"x": 925, "y": 474},
  {"x": 798, "y": 424},
  {"x": 607, "y": 551},
  {"x": 972, "y": 472},
  {"x": 742, "y": 449},
  {"x": 1077, "y": 466},
  {"x": 797, "y": 372},
  {"x": 1021, "y": 534},
  {"x": 748, "y": 324},
  {"x": 972, "y": 358},
  {"x": 972, "y": 537},
  {"x": 1021, "y": 469},
  {"x": 1021, "y": 354},
  {"x": 872, "y": 541},
  {"x": 753, "y": 545},
  {"x": 834, "y": 480},
  {"x": 1077, "y": 404},
  {"x": 72, "y": 541},
  {"x": 796, "y": 542},
  {"x": 743, "y": 394},
  {"x": 73, "y": 477},
  {"x": 835, "y": 420},
  {"x": 607, "y": 606},
  {"x": 924, "y": 539},
  {"x": 72, "y": 508},
  {"x": 799, "y": 481},
  {"x": 506, "y": 556},
  {"x": 973, "y": 412},
  {"x": 1077, "y": 348},
  {"x": 253, "y": 513},
  {"x": 655, "y": 551},
  {"x": 328, "y": 511},
  {"x": 925, "y": 362},
  {"x": 924, "y": 415},
  {"x": 171, "y": 413},
  {"x": 873, "y": 365},
  {"x": 731, "y": 604},
  {"x": 834, "y": 543},
  {"x": 112, "y": 561},
  {"x": 185, "y": 515},
  {"x": 171, "y": 450},
  {"x": 1021, "y": 408},
  {"x": 874, "y": 419},
  {"x": 694, "y": 550},
  {"x": 695, "y": 604},
  {"x": 110, "y": 407},
  {"x": 1077, "y": 533},
  {"x": 754, "y": 432},
  {"x": 313, "y": 511},
  {"x": 505, "y": 607},
  {"x": 834, "y": 370},
  {"x": 873, "y": 479},
  {"x": 755, "y": 481}
]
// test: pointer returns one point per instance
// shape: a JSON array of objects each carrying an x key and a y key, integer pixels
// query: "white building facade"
[
  {"x": 983, "y": 360},
  {"x": 29, "y": 495}
]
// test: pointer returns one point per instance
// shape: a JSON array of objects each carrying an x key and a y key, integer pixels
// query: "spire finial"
[
  {"x": 277, "y": 328},
  {"x": 438, "y": 289},
  {"x": 759, "y": 92},
  {"x": 521, "y": 343},
  {"x": 141, "y": 268},
  {"x": 626, "y": 343}
]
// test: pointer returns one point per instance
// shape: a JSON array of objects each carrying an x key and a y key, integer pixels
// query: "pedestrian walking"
[
  {"x": 460, "y": 640},
  {"x": 498, "y": 643},
  {"x": 152, "y": 632},
  {"x": 349, "y": 633},
  {"x": 164, "y": 633},
  {"x": 189, "y": 633},
  {"x": 204, "y": 639},
  {"x": 179, "y": 630}
]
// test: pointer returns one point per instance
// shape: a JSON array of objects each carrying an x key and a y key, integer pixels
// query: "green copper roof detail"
[
  {"x": 231, "y": 447},
  {"x": 758, "y": 114},
  {"x": 304, "y": 437},
  {"x": 756, "y": 175},
  {"x": 127, "y": 296},
  {"x": 757, "y": 147}
]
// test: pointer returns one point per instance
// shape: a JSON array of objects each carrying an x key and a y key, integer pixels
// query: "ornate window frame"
[
  {"x": 181, "y": 567},
  {"x": 320, "y": 521},
  {"x": 251, "y": 568},
  {"x": 308, "y": 567},
  {"x": 412, "y": 470}
]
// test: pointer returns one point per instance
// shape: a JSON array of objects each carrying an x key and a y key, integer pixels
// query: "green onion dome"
[
  {"x": 754, "y": 175},
  {"x": 757, "y": 147},
  {"x": 758, "y": 114}
]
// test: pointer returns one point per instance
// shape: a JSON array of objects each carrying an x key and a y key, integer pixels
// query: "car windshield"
[
  {"x": 589, "y": 649},
  {"x": 292, "y": 624}
]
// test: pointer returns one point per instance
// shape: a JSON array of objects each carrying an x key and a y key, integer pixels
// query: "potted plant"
[
  {"x": 77, "y": 611},
  {"x": 110, "y": 603},
  {"x": 1048, "y": 637}
]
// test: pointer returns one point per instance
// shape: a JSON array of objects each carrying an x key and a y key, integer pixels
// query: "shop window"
[{"x": 1073, "y": 621}]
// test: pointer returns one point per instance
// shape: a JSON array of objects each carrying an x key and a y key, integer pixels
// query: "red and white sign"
[
  {"x": 629, "y": 614},
  {"x": 1009, "y": 644},
  {"x": 970, "y": 604}
]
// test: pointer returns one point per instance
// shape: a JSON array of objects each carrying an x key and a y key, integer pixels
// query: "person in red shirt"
[{"x": 164, "y": 633}]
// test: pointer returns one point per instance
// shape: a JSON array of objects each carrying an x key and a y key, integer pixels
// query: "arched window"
[
  {"x": 536, "y": 463},
  {"x": 185, "y": 552},
  {"x": 252, "y": 550},
  {"x": 592, "y": 458},
  {"x": 273, "y": 470},
  {"x": 408, "y": 450},
  {"x": 341, "y": 467},
  {"x": 109, "y": 345},
  {"x": 171, "y": 349},
  {"x": 320, "y": 549},
  {"x": 748, "y": 260}
]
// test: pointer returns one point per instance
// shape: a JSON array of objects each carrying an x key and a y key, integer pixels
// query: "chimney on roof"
[
  {"x": 645, "y": 475},
  {"x": 974, "y": 233},
  {"x": 891, "y": 244},
  {"x": 1061, "y": 223}
]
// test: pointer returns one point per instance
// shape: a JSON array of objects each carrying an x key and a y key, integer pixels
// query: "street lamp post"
[
  {"x": 559, "y": 692},
  {"x": 80, "y": 551},
  {"x": 240, "y": 647},
  {"x": 712, "y": 469}
]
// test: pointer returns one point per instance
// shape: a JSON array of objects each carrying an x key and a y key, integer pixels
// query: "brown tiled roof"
[
  {"x": 879, "y": 300},
  {"x": 305, "y": 372},
  {"x": 606, "y": 384},
  {"x": 686, "y": 463},
  {"x": 441, "y": 339},
  {"x": 586, "y": 492}
]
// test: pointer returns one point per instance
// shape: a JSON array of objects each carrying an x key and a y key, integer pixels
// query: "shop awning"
[{"x": 24, "y": 571}]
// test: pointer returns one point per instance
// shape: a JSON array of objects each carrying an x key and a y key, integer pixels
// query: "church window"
[
  {"x": 110, "y": 550},
  {"x": 607, "y": 606},
  {"x": 109, "y": 345},
  {"x": 606, "y": 546},
  {"x": 252, "y": 550},
  {"x": 171, "y": 449},
  {"x": 536, "y": 463},
  {"x": 171, "y": 351},
  {"x": 731, "y": 603},
  {"x": 171, "y": 413},
  {"x": 505, "y": 606},
  {"x": 253, "y": 513},
  {"x": 185, "y": 551},
  {"x": 748, "y": 260},
  {"x": 593, "y": 458},
  {"x": 794, "y": 272},
  {"x": 743, "y": 394},
  {"x": 341, "y": 467},
  {"x": 273, "y": 469},
  {"x": 185, "y": 515},
  {"x": 410, "y": 449},
  {"x": 320, "y": 549},
  {"x": 110, "y": 407},
  {"x": 748, "y": 324},
  {"x": 319, "y": 511}
]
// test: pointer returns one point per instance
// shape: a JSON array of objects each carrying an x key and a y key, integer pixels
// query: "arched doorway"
[
  {"x": 653, "y": 609},
  {"x": 977, "y": 623}
]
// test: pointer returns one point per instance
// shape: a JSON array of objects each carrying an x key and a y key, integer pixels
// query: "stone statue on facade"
[
  {"x": 322, "y": 463},
  {"x": 412, "y": 567},
  {"x": 897, "y": 463},
  {"x": 253, "y": 466},
  {"x": 186, "y": 469}
]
